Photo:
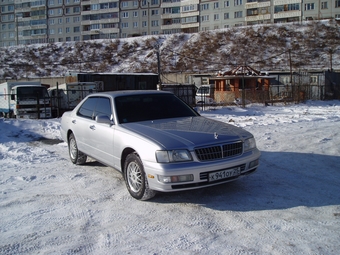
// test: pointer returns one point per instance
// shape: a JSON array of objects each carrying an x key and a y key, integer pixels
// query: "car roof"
[{"x": 129, "y": 93}]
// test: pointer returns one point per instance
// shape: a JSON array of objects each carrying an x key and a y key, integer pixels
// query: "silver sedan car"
[{"x": 157, "y": 142}]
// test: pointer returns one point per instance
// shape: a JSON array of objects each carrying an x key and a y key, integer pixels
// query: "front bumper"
[{"x": 248, "y": 163}]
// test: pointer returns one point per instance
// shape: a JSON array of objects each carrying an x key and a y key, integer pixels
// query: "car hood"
[{"x": 187, "y": 132}]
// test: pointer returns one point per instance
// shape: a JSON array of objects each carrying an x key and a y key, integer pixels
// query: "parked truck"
[
  {"x": 28, "y": 100},
  {"x": 205, "y": 95},
  {"x": 66, "y": 96}
]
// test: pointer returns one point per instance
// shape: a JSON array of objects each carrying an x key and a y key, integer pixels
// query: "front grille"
[{"x": 219, "y": 151}]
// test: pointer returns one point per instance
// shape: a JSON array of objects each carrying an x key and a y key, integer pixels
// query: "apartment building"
[{"x": 49, "y": 21}]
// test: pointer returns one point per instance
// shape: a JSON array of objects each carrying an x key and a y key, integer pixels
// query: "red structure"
[{"x": 241, "y": 82}]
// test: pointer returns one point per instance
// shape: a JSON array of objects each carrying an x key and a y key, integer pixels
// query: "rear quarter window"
[{"x": 87, "y": 108}]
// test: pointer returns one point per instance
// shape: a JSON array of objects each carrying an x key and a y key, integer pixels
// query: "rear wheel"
[
  {"x": 135, "y": 178},
  {"x": 76, "y": 156}
]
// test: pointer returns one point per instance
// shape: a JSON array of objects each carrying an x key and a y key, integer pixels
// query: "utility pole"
[
  {"x": 331, "y": 58},
  {"x": 290, "y": 66},
  {"x": 243, "y": 88},
  {"x": 159, "y": 66},
  {"x": 149, "y": 18}
]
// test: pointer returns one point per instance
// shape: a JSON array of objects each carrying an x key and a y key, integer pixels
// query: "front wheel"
[
  {"x": 76, "y": 156},
  {"x": 135, "y": 178}
]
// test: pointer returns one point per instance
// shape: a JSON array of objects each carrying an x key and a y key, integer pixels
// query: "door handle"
[
  {"x": 93, "y": 127},
  {"x": 74, "y": 121}
]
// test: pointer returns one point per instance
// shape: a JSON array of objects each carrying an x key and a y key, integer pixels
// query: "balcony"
[
  {"x": 257, "y": 17},
  {"x": 100, "y": 11},
  {"x": 253, "y": 5},
  {"x": 283, "y": 2},
  {"x": 87, "y": 2},
  {"x": 181, "y": 3},
  {"x": 179, "y": 15},
  {"x": 100, "y": 31},
  {"x": 90, "y": 22},
  {"x": 179, "y": 26},
  {"x": 287, "y": 14}
]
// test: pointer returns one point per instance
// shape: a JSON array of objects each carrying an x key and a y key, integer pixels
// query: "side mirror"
[{"x": 103, "y": 119}]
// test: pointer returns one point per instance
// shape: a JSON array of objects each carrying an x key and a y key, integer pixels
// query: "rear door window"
[{"x": 103, "y": 107}]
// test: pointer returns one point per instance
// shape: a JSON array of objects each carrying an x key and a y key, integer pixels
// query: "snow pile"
[{"x": 291, "y": 205}]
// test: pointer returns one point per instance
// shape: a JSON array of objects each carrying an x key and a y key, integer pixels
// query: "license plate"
[{"x": 224, "y": 174}]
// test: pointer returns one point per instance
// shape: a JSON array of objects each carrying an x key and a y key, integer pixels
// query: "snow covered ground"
[{"x": 291, "y": 205}]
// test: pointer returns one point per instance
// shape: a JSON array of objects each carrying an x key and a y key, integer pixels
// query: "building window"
[
  {"x": 226, "y": 15},
  {"x": 125, "y": 25},
  {"x": 68, "y": 39},
  {"x": 204, "y": 7},
  {"x": 51, "y": 2},
  {"x": 238, "y": 14},
  {"x": 51, "y": 21},
  {"x": 76, "y": 29},
  {"x": 144, "y": 13},
  {"x": 95, "y": 26},
  {"x": 188, "y": 8},
  {"x": 52, "y": 31},
  {"x": 67, "y": 30},
  {"x": 60, "y": 30},
  {"x": 154, "y": 12},
  {"x": 309, "y": 6},
  {"x": 60, "y": 21},
  {"x": 135, "y": 24},
  {"x": 135, "y": 14},
  {"x": 324, "y": 5},
  {"x": 237, "y": 2},
  {"x": 76, "y": 9},
  {"x": 125, "y": 4},
  {"x": 67, "y": 11},
  {"x": 205, "y": 18},
  {"x": 216, "y": 5},
  {"x": 216, "y": 16},
  {"x": 144, "y": 24},
  {"x": 314, "y": 80},
  {"x": 226, "y": 4},
  {"x": 337, "y": 3},
  {"x": 135, "y": 3},
  {"x": 67, "y": 20},
  {"x": 76, "y": 38},
  {"x": 153, "y": 2},
  {"x": 76, "y": 19},
  {"x": 154, "y": 23},
  {"x": 125, "y": 15}
]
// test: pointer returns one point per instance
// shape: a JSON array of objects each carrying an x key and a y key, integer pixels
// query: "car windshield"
[{"x": 134, "y": 108}]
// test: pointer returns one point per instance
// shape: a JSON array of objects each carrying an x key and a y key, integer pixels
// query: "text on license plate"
[{"x": 224, "y": 174}]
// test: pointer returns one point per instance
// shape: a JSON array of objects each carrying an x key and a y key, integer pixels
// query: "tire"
[
  {"x": 135, "y": 178},
  {"x": 76, "y": 156}
]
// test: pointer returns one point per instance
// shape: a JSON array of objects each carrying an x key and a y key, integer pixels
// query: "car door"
[
  {"x": 81, "y": 123},
  {"x": 101, "y": 135}
]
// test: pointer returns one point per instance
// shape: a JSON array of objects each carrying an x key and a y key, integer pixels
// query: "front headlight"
[
  {"x": 249, "y": 144},
  {"x": 173, "y": 156}
]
